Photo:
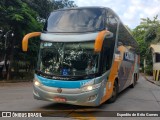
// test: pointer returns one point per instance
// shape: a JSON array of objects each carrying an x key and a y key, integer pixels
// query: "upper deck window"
[{"x": 76, "y": 20}]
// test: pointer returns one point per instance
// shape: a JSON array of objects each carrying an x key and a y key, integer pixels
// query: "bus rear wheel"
[
  {"x": 114, "y": 93},
  {"x": 134, "y": 81}
]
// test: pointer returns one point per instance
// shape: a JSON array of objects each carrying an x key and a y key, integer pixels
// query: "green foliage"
[
  {"x": 146, "y": 33},
  {"x": 149, "y": 70},
  {"x": 138, "y": 34},
  {"x": 42, "y": 7},
  {"x": 157, "y": 39},
  {"x": 63, "y": 4},
  {"x": 22, "y": 17}
]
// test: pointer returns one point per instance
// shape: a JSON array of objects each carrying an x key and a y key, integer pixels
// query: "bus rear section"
[{"x": 86, "y": 57}]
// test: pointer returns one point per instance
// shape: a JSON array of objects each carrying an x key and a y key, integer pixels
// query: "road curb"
[
  {"x": 15, "y": 81},
  {"x": 151, "y": 81}
]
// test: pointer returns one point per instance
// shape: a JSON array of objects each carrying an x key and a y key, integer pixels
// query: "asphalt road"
[{"x": 144, "y": 97}]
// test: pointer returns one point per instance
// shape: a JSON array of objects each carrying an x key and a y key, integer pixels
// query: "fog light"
[
  {"x": 37, "y": 83},
  {"x": 92, "y": 97}
]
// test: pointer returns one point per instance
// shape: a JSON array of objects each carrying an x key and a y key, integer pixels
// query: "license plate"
[{"x": 59, "y": 99}]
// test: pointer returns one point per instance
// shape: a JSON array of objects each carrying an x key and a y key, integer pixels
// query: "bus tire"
[
  {"x": 134, "y": 81},
  {"x": 114, "y": 93}
]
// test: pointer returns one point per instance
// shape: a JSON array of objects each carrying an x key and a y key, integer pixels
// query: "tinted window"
[
  {"x": 126, "y": 38},
  {"x": 109, "y": 43},
  {"x": 157, "y": 57},
  {"x": 107, "y": 54},
  {"x": 68, "y": 59},
  {"x": 75, "y": 20}
]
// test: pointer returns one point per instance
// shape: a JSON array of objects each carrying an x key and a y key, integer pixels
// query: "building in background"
[{"x": 155, "y": 49}]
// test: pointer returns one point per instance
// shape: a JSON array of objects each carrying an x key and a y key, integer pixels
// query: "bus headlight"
[
  {"x": 91, "y": 87},
  {"x": 36, "y": 82}
]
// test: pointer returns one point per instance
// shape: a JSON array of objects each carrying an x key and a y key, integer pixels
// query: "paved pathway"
[{"x": 144, "y": 97}]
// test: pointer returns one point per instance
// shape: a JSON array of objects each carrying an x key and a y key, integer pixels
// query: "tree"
[
  {"x": 18, "y": 17},
  {"x": 63, "y": 4},
  {"x": 22, "y": 17},
  {"x": 146, "y": 33},
  {"x": 41, "y": 7},
  {"x": 44, "y": 7}
]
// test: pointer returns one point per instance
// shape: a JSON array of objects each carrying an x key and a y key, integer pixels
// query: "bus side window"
[
  {"x": 109, "y": 43},
  {"x": 157, "y": 57}
]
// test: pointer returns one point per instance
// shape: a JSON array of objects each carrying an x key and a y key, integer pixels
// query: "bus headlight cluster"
[
  {"x": 91, "y": 87},
  {"x": 36, "y": 82}
]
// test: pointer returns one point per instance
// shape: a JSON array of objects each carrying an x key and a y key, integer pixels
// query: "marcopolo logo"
[{"x": 59, "y": 90}]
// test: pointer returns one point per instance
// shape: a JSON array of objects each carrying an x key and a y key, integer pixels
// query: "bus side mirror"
[
  {"x": 100, "y": 38},
  {"x": 26, "y": 38}
]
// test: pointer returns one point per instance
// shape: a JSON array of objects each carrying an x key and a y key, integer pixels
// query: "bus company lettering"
[{"x": 85, "y": 83}]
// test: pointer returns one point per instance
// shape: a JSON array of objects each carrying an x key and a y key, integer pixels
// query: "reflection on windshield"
[
  {"x": 68, "y": 59},
  {"x": 75, "y": 20}
]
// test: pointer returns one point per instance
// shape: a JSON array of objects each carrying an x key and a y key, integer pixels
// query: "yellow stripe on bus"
[{"x": 112, "y": 76}]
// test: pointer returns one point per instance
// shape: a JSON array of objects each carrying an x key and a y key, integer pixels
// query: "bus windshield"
[
  {"x": 75, "y": 20},
  {"x": 68, "y": 59}
]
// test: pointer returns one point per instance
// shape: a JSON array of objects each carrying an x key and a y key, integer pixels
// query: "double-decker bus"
[{"x": 86, "y": 57}]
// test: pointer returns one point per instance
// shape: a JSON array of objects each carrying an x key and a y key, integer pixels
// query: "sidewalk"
[
  {"x": 150, "y": 79},
  {"x": 14, "y": 81}
]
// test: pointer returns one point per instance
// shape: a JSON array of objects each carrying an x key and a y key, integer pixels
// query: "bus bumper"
[{"x": 89, "y": 98}]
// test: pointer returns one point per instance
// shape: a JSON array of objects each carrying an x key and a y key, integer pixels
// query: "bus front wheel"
[{"x": 114, "y": 93}]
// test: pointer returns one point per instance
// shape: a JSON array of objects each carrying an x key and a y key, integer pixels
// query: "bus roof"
[
  {"x": 76, "y": 20},
  {"x": 76, "y": 8}
]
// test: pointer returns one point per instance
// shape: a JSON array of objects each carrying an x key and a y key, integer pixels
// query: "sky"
[{"x": 129, "y": 11}]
